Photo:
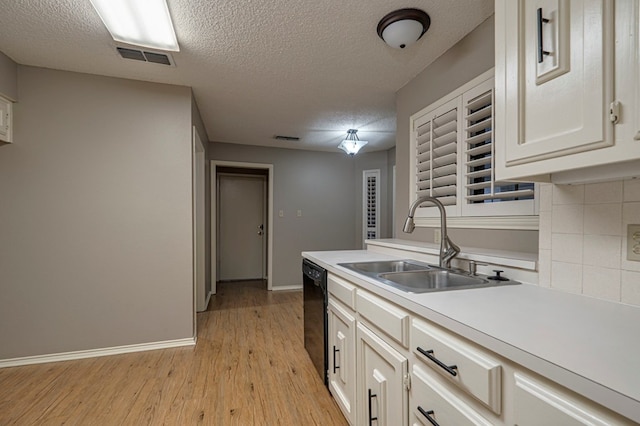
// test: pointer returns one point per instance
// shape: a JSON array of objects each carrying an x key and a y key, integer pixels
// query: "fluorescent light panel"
[{"x": 144, "y": 23}]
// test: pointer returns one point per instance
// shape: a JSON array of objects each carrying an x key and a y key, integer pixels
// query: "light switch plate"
[{"x": 633, "y": 242}]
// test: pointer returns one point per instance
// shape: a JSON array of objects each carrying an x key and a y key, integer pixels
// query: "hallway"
[{"x": 249, "y": 367}]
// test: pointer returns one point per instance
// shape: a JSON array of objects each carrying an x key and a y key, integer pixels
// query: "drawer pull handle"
[
  {"x": 541, "y": 52},
  {"x": 371, "y": 419},
  {"x": 451, "y": 369},
  {"x": 335, "y": 367},
  {"x": 428, "y": 415}
]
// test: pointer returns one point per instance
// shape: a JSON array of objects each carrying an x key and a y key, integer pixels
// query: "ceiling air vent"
[{"x": 144, "y": 56}]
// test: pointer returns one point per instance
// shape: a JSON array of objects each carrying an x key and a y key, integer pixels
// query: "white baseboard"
[
  {"x": 286, "y": 287},
  {"x": 206, "y": 302},
  {"x": 91, "y": 353}
]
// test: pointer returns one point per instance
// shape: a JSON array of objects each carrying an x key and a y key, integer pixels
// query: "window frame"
[{"x": 521, "y": 215}]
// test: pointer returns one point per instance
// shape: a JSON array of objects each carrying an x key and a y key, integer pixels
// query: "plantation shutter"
[
  {"x": 437, "y": 154},
  {"x": 371, "y": 210},
  {"x": 479, "y": 180}
]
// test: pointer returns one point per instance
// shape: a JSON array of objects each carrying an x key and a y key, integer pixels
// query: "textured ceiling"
[{"x": 258, "y": 68}]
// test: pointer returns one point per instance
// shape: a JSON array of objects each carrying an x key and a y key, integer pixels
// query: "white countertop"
[{"x": 588, "y": 345}]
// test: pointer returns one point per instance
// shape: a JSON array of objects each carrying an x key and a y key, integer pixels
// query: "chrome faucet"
[{"x": 448, "y": 250}]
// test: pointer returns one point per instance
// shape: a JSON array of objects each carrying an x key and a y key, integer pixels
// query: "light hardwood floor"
[{"x": 249, "y": 367}]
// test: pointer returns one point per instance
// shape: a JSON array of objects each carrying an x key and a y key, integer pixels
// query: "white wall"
[
  {"x": 469, "y": 58},
  {"x": 583, "y": 239},
  {"x": 95, "y": 224},
  {"x": 323, "y": 185}
]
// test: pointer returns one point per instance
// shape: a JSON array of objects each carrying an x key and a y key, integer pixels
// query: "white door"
[{"x": 241, "y": 227}]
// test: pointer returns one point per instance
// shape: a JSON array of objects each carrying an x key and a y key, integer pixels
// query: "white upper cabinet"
[{"x": 566, "y": 87}]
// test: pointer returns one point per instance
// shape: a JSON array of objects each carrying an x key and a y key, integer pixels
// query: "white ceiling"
[{"x": 258, "y": 68}]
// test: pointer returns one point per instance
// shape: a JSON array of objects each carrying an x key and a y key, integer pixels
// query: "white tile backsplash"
[
  {"x": 566, "y": 277},
  {"x": 606, "y": 192},
  {"x": 602, "y": 283},
  {"x": 602, "y": 250},
  {"x": 630, "y": 287},
  {"x": 567, "y": 247},
  {"x": 567, "y": 218},
  {"x": 582, "y": 239},
  {"x": 546, "y": 197},
  {"x": 603, "y": 219},
  {"x": 568, "y": 194},
  {"x": 631, "y": 189},
  {"x": 544, "y": 230},
  {"x": 544, "y": 268}
]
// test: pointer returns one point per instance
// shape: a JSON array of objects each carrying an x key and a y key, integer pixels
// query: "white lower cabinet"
[
  {"x": 391, "y": 367},
  {"x": 382, "y": 372},
  {"x": 342, "y": 358},
  {"x": 537, "y": 402},
  {"x": 431, "y": 402}
]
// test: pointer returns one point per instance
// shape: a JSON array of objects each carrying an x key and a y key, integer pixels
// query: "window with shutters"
[
  {"x": 452, "y": 159},
  {"x": 371, "y": 197},
  {"x": 436, "y": 135}
]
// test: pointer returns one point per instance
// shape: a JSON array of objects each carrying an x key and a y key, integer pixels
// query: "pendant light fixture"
[
  {"x": 403, "y": 27},
  {"x": 352, "y": 144}
]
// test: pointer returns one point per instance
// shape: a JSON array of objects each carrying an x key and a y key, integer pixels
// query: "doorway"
[
  {"x": 241, "y": 237},
  {"x": 241, "y": 226}
]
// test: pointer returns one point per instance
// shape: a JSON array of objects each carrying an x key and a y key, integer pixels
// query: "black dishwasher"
[{"x": 314, "y": 280}]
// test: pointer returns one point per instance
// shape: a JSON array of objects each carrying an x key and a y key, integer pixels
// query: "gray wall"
[
  {"x": 322, "y": 185},
  {"x": 470, "y": 57},
  {"x": 8, "y": 77},
  {"x": 95, "y": 224}
]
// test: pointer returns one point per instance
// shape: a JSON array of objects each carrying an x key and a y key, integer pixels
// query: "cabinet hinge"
[
  {"x": 614, "y": 112},
  {"x": 407, "y": 381}
]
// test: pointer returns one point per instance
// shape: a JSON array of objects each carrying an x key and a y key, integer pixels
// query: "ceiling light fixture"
[
  {"x": 144, "y": 23},
  {"x": 352, "y": 144},
  {"x": 403, "y": 27}
]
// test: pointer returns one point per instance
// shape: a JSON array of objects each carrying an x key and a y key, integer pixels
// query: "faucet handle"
[{"x": 473, "y": 264}]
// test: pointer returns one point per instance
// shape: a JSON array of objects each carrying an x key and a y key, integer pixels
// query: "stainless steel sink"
[
  {"x": 416, "y": 277},
  {"x": 378, "y": 267}
]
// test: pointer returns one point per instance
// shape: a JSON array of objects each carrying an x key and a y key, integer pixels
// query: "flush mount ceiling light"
[
  {"x": 144, "y": 23},
  {"x": 351, "y": 145},
  {"x": 403, "y": 27}
]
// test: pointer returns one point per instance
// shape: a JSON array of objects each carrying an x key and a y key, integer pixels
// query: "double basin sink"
[{"x": 416, "y": 277}]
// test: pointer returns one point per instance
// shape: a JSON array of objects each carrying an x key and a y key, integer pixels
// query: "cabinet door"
[
  {"x": 382, "y": 372},
  {"x": 342, "y": 359},
  {"x": 554, "y": 74}
]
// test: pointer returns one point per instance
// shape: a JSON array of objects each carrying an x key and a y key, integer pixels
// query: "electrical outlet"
[
  {"x": 299, "y": 213},
  {"x": 633, "y": 242},
  {"x": 437, "y": 236},
  {"x": 281, "y": 213}
]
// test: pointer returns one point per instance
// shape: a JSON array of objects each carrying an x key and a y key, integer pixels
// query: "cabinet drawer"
[
  {"x": 342, "y": 290},
  {"x": 539, "y": 402},
  {"x": 469, "y": 367},
  {"x": 430, "y": 398},
  {"x": 385, "y": 316}
]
